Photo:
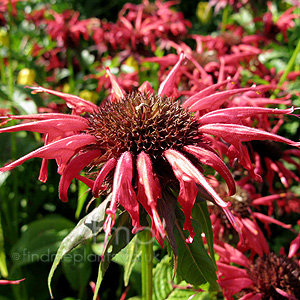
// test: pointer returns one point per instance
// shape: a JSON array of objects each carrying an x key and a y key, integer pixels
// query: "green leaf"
[
  {"x": 120, "y": 238},
  {"x": 77, "y": 268},
  {"x": 200, "y": 213},
  {"x": 195, "y": 266},
  {"x": 162, "y": 279},
  {"x": 82, "y": 195},
  {"x": 3, "y": 266},
  {"x": 40, "y": 240},
  {"x": 128, "y": 257},
  {"x": 166, "y": 289},
  {"x": 86, "y": 228}
]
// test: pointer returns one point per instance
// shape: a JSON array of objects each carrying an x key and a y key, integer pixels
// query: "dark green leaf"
[
  {"x": 164, "y": 288},
  {"x": 77, "y": 268},
  {"x": 195, "y": 266},
  {"x": 86, "y": 228},
  {"x": 128, "y": 257},
  {"x": 200, "y": 213},
  {"x": 41, "y": 239}
]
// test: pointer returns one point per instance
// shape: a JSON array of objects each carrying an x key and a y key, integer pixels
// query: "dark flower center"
[
  {"x": 142, "y": 122},
  {"x": 273, "y": 272}
]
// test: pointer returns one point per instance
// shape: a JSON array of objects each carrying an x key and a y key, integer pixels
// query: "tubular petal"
[
  {"x": 235, "y": 134},
  {"x": 295, "y": 245},
  {"x": 215, "y": 100},
  {"x": 167, "y": 87},
  {"x": 123, "y": 193},
  {"x": 211, "y": 159},
  {"x": 72, "y": 169},
  {"x": 116, "y": 91},
  {"x": 46, "y": 116},
  {"x": 146, "y": 88},
  {"x": 76, "y": 103},
  {"x": 184, "y": 170},
  {"x": 236, "y": 114},
  {"x": 149, "y": 192},
  {"x": 109, "y": 165},
  {"x": 53, "y": 127},
  {"x": 61, "y": 150},
  {"x": 204, "y": 93}
]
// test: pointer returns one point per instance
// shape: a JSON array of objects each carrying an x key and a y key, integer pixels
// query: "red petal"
[
  {"x": 52, "y": 127},
  {"x": 61, "y": 150},
  {"x": 109, "y": 165},
  {"x": 72, "y": 169},
  {"x": 2, "y": 282},
  {"x": 149, "y": 192},
  {"x": 116, "y": 91},
  {"x": 167, "y": 88},
  {"x": 76, "y": 103},
  {"x": 211, "y": 159},
  {"x": 236, "y": 114},
  {"x": 235, "y": 134},
  {"x": 205, "y": 92},
  {"x": 124, "y": 194}
]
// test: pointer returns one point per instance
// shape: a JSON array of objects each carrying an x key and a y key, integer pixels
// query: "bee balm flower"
[{"x": 142, "y": 148}]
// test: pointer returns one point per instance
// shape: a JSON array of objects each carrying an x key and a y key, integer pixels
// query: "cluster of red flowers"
[{"x": 149, "y": 150}]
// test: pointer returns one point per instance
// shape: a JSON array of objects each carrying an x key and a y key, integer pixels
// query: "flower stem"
[
  {"x": 10, "y": 82},
  {"x": 71, "y": 71},
  {"x": 288, "y": 68},
  {"x": 147, "y": 264}
]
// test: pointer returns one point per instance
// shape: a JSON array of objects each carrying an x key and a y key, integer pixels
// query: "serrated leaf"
[
  {"x": 200, "y": 213},
  {"x": 86, "y": 228},
  {"x": 195, "y": 266},
  {"x": 166, "y": 289},
  {"x": 162, "y": 279},
  {"x": 41, "y": 239},
  {"x": 184, "y": 293}
]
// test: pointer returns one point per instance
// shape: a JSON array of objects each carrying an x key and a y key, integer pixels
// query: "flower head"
[
  {"x": 268, "y": 276},
  {"x": 144, "y": 148}
]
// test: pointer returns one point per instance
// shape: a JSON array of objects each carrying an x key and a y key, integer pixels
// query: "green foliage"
[
  {"x": 86, "y": 228},
  {"x": 195, "y": 266},
  {"x": 165, "y": 287}
]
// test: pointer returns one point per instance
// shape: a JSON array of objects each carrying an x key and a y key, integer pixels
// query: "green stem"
[
  {"x": 288, "y": 69},
  {"x": 225, "y": 18},
  {"x": 10, "y": 82},
  {"x": 147, "y": 264},
  {"x": 2, "y": 66},
  {"x": 71, "y": 71}
]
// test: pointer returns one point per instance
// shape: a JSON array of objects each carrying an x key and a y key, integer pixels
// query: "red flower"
[
  {"x": 143, "y": 146},
  {"x": 268, "y": 276},
  {"x": 4, "y": 282},
  {"x": 66, "y": 29}
]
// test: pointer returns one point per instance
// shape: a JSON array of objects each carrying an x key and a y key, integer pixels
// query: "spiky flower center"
[
  {"x": 142, "y": 122},
  {"x": 273, "y": 272}
]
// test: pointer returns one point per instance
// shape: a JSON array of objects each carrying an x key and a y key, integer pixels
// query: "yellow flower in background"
[
  {"x": 132, "y": 62},
  {"x": 26, "y": 77},
  {"x": 66, "y": 88},
  {"x": 3, "y": 37},
  {"x": 89, "y": 95},
  {"x": 204, "y": 12}
]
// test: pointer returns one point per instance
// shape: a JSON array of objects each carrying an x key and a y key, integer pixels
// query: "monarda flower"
[
  {"x": 268, "y": 276},
  {"x": 144, "y": 148}
]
